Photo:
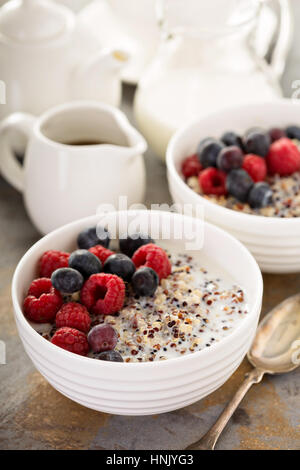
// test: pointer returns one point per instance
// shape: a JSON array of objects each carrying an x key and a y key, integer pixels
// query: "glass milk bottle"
[{"x": 206, "y": 62}]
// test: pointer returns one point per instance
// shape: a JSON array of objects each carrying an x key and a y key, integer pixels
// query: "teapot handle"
[
  {"x": 283, "y": 42},
  {"x": 10, "y": 167}
]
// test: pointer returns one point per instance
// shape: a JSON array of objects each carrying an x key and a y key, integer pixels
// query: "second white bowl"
[{"x": 274, "y": 242}]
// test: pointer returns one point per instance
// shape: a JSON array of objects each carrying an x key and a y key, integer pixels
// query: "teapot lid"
[{"x": 28, "y": 21}]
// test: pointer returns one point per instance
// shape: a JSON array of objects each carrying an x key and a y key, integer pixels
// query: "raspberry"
[
  {"x": 73, "y": 315},
  {"x": 283, "y": 157},
  {"x": 42, "y": 301},
  {"x": 52, "y": 260},
  {"x": 152, "y": 256},
  {"x": 213, "y": 181},
  {"x": 101, "y": 252},
  {"x": 103, "y": 294},
  {"x": 72, "y": 340},
  {"x": 256, "y": 167},
  {"x": 191, "y": 166}
]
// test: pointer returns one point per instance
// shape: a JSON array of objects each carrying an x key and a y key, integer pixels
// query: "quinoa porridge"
[
  {"x": 168, "y": 303},
  {"x": 286, "y": 197},
  {"x": 191, "y": 310},
  {"x": 255, "y": 173}
]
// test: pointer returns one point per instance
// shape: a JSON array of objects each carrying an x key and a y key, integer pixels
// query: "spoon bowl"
[{"x": 275, "y": 343}]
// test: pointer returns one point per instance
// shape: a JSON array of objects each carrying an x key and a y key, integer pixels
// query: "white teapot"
[{"x": 47, "y": 59}]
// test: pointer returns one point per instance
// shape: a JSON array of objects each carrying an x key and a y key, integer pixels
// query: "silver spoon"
[{"x": 275, "y": 350}]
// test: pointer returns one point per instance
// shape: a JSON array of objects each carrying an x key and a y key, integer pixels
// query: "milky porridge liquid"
[
  {"x": 183, "y": 95},
  {"x": 194, "y": 308}
]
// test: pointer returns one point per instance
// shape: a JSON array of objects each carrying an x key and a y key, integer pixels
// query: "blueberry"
[
  {"x": 275, "y": 134},
  {"x": 145, "y": 281},
  {"x": 230, "y": 158},
  {"x": 102, "y": 337},
  {"x": 258, "y": 142},
  {"x": 85, "y": 262},
  {"x": 113, "y": 356},
  {"x": 208, "y": 152},
  {"x": 203, "y": 142},
  {"x": 67, "y": 280},
  {"x": 251, "y": 130},
  {"x": 121, "y": 265},
  {"x": 293, "y": 132},
  {"x": 232, "y": 138},
  {"x": 93, "y": 236},
  {"x": 261, "y": 195},
  {"x": 130, "y": 243},
  {"x": 239, "y": 184}
]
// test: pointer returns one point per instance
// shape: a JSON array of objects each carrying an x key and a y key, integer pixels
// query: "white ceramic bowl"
[
  {"x": 274, "y": 242},
  {"x": 152, "y": 387}
]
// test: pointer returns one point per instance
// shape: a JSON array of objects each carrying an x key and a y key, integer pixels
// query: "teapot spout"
[
  {"x": 108, "y": 61},
  {"x": 117, "y": 59},
  {"x": 98, "y": 78}
]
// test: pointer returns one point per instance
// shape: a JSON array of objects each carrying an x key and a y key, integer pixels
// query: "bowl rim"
[
  {"x": 242, "y": 217},
  {"x": 23, "y": 322}
]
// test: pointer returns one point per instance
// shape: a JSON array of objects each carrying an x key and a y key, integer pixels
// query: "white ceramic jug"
[
  {"x": 79, "y": 156},
  {"x": 207, "y": 61},
  {"x": 47, "y": 59}
]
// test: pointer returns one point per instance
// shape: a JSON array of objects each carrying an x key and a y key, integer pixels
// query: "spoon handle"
[{"x": 209, "y": 440}]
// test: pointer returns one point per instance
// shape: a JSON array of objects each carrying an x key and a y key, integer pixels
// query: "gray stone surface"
[{"x": 34, "y": 416}]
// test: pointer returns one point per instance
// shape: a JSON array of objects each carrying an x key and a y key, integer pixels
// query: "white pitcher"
[
  {"x": 206, "y": 62},
  {"x": 79, "y": 155}
]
